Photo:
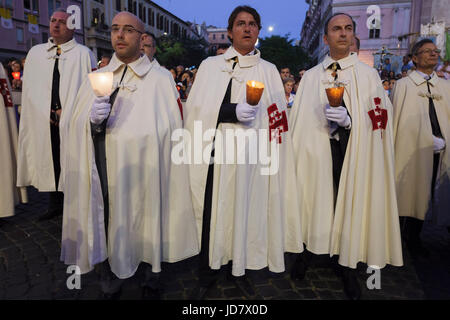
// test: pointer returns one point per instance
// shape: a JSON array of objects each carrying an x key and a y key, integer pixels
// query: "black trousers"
[
  {"x": 207, "y": 275},
  {"x": 413, "y": 226},
  {"x": 56, "y": 199}
]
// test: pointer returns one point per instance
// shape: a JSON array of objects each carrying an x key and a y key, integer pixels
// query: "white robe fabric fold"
[
  {"x": 151, "y": 216},
  {"x": 9, "y": 193},
  {"x": 364, "y": 225},
  {"x": 414, "y": 148},
  {"x": 35, "y": 164},
  {"x": 254, "y": 217}
]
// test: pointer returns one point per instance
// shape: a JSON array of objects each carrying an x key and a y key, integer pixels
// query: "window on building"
[
  {"x": 44, "y": 37},
  {"x": 135, "y": 7},
  {"x": 223, "y": 36},
  {"x": 19, "y": 35},
  {"x": 140, "y": 11},
  {"x": 51, "y": 8},
  {"x": 95, "y": 17},
  {"x": 214, "y": 37},
  {"x": 150, "y": 17},
  {"x": 100, "y": 1},
  {"x": 31, "y": 5},
  {"x": 130, "y": 6},
  {"x": 118, "y": 6},
  {"x": 374, "y": 33},
  {"x": 9, "y": 4}
]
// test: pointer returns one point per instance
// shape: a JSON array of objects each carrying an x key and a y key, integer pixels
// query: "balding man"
[
  {"x": 345, "y": 162},
  {"x": 54, "y": 72},
  {"x": 126, "y": 201}
]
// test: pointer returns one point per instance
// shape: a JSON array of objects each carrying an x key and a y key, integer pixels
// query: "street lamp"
[{"x": 270, "y": 28}]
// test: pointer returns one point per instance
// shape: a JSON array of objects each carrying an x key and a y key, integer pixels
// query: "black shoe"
[
  {"x": 243, "y": 284},
  {"x": 351, "y": 284},
  {"x": 149, "y": 293},
  {"x": 299, "y": 268},
  {"x": 50, "y": 214},
  {"x": 198, "y": 293}
]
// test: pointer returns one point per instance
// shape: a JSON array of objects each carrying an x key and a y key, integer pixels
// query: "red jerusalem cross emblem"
[
  {"x": 378, "y": 116},
  {"x": 277, "y": 122},
  {"x": 5, "y": 93}
]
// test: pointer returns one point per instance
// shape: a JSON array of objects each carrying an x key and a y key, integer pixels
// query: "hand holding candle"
[
  {"x": 254, "y": 92},
  {"x": 101, "y": 83}
]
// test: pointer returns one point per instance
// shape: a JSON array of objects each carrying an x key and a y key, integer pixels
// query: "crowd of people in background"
[{"x": 184, "y": 77}]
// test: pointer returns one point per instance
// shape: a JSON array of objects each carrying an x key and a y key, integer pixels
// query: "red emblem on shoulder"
[
  {"x": 378, "y": 116},
  {"x": 180, "y": 106},
  {"x": 277, "y": 122},
  {"x": 4, "y": 90}
]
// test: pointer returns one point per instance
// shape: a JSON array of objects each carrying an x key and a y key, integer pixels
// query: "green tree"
[
  {"x": 188, "y": 52},
  {"x": 282, "y": 53}
]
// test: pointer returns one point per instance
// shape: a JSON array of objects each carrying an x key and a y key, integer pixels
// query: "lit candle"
[
  {"x": 16, "y": 75},
  {"x": 101, "y": 83},
  {"x": 335, "y": 95},
  {"x": 254, "y": 92}
]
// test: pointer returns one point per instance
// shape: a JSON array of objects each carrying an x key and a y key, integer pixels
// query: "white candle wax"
[{"x": 101, "y": 83}]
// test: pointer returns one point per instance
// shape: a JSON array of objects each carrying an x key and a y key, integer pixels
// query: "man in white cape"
[
  {"x": 247, "y": 211},
  {"x": 421, "y": 134},
  {"x": 345, "y": 162},
  {"x": 146, "y": 214},
  {"x": 9, "y": 193},
  {"x": 53, "y": 73}
]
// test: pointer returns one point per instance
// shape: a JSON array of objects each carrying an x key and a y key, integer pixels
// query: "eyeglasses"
[
  {"x": 126, "y": 29},
  {"x": 429, "y": 51}
]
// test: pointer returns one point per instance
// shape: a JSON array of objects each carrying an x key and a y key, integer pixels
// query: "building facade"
[
  {"x": 216, "y": 37},
  {"x": 98, "y": 15},
  {"x": 198, "y": 31},
  {"x": 25, "y": 23},
  {"x": 395, "y": 19}
]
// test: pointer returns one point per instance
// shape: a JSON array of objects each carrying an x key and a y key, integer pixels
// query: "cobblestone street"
[{"x": 30, "y": 269}]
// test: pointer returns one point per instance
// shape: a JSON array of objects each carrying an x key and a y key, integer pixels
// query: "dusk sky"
[{"x": 286, "y": 16}]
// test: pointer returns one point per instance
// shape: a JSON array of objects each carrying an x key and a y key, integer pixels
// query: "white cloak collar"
[
  {"x": 344, "y": 63},
  {"x": 417, "y": 78},
  {"x": 67, "y": 46},
  {"x": 140, "y": 67},
  {"x": 243, "y": 61}
]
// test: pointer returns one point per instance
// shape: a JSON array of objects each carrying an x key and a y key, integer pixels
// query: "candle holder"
[
  {"x": 101, "y": 83},
  {"x": 335, "y": 92},
  {"x": 254, "y": 92}
]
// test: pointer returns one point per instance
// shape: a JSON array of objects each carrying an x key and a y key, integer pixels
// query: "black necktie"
[
  {"x": 227, "y": 97},
  {"x": 55, "y": 102},
  {"x": 432, "y": 113},
  {"x": 334, "y": 67}
]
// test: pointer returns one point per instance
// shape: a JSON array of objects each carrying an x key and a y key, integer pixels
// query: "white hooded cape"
[
  {"x": 9, "y": 193},
  {"x": 254, "y": 217},
  {"x": 414, "y": 148},
  {"x": 364, "y": 226},
  {"x": 151, "y": 216},
  {"x": 35, "y": 164}
]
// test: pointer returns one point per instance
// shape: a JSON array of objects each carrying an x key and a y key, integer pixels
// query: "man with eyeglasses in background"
[
  {"x": 127, "y": 202},
  {"x": 148, "y": 47},
  {"x": 53, "y": 73},
  {"x": 421, "y": 134}
]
